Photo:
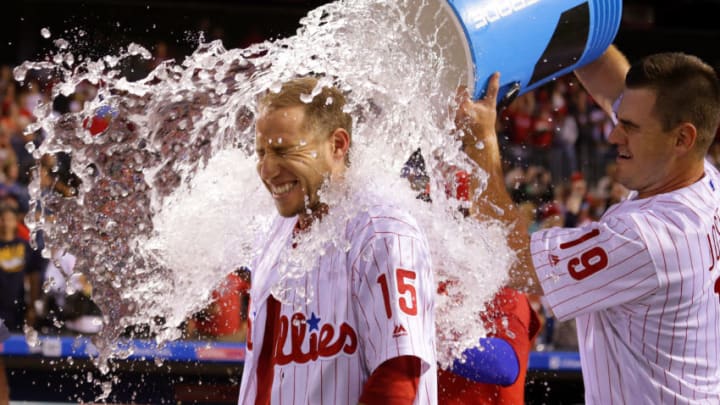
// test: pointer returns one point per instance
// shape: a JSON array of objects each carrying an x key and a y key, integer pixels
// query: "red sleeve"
[
  {"x": 395, "y": 382},
  {"x": 510, "y": 315}
]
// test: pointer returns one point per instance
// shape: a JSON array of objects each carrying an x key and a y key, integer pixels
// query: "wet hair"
[
  {"x": 686, "y": 88},
  {"x": 323, "y": 114}
]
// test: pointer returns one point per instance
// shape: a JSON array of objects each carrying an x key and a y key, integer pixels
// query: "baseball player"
[
  {"x": 367, "y": 333},
  {"x": 642, "y": 282},
  {"x": 494, "y": 371}
]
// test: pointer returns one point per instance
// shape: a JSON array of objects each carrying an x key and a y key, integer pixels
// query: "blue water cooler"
[{"x": 530, "y": 42}]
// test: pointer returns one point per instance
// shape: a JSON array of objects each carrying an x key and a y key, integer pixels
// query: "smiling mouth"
[
  {"x": 282, "y": 189},
  {"x": 623, "y": 155}
]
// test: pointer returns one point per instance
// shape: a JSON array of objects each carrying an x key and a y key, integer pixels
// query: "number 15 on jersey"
[{"x": 406, "y": 293}]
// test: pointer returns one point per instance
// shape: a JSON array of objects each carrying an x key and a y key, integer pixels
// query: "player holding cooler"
[
  {"x": 642, "y": 282},
  {"x": 367, "y": 334}
]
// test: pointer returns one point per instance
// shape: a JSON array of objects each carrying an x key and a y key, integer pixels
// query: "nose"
[
  {"x": 615, "y": 136},
  {"x": 268, "y": 167}
]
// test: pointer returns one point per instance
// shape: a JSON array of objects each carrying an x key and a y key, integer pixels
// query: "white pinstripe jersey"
[
  {"x": 372, "y": 303},
  {"x": 643, "y": 285}
]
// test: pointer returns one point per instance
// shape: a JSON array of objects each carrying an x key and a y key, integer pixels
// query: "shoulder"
[
  {"x": 687, "y": 209},
  {"x": 383, "y": 219}
]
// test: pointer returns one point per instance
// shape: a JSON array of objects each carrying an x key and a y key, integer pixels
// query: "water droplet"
[
  {"x": 279, "y": 141},
  {"x": 480, "y": 145},
  {"x": 314, "y": 154},
  {"x": 31, "y": 336},
  {"x": 306, "y": 98},
  {"x": 135, "y": 50},
  {"x": 106, "y": 389},
  {"x": 20, "y": 72},
  {"x": 61, "y": 43},
  {"x": 48, "y": 285},
  {"x": 45, "y": 33},
  {"x": 303, "y": 142}
]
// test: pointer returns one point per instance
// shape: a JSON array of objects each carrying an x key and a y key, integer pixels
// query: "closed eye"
[{"x": 628, "y": 125}]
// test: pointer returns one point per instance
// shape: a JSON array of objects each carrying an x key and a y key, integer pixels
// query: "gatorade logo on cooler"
[{"x": 487, "y": 13}]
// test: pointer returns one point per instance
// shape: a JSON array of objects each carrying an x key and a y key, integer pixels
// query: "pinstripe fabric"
[
  {"x": 371, "y": 303},
  {"x": 643, "y": 285}
]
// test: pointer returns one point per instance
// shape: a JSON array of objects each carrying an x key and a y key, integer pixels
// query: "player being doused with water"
[{"x": 349, "y": 320}]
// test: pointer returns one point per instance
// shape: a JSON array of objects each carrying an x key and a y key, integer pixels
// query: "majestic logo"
[
  {"x": 310, "y": 341},
  {"x": 399, "y": 330}
]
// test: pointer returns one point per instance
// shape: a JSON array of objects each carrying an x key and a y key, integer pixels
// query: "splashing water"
[{"x": 170, "y": 201}]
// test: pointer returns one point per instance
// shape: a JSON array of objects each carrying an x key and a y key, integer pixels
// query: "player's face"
[
  {"x": 645, "y": 152},
  {"x": 293, "y": 162}
]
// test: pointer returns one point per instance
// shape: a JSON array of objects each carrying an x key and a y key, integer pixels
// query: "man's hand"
[{"x": 476, "y": 120}]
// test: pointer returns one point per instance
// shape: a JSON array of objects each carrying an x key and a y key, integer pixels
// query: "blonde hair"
[{"x": 323, "y": 114}]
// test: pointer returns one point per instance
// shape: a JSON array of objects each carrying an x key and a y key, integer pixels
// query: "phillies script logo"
[{"x": 320, "y": 341}]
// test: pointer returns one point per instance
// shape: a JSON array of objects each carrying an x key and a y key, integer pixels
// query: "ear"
[
  {"x": 340, "y": 141},
  {"x": 685, "y": 137}
]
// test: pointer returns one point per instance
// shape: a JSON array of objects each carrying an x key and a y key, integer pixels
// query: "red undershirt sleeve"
[{"x": 395, "y": 382}]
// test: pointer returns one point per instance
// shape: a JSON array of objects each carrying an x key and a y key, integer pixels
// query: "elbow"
[
  {"x": 507, "y": 377},
  {"x": 494, "y": 362}
]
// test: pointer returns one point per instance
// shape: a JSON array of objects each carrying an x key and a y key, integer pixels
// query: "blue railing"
[{"x": 204, "y": 351}]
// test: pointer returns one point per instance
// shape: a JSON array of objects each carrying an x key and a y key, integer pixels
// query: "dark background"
[{"x": 648, "y": 26}]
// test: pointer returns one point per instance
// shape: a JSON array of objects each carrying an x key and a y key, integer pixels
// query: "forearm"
[
  {"x": 476, "y": 122},
  {"x": 495, "y": 202},
  {"x": 604, "y": 78}
]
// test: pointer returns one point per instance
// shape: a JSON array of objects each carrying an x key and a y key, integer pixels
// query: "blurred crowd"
[
  {"x": 560, "y": 171},
  {"x": 41, "y": 288}
]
